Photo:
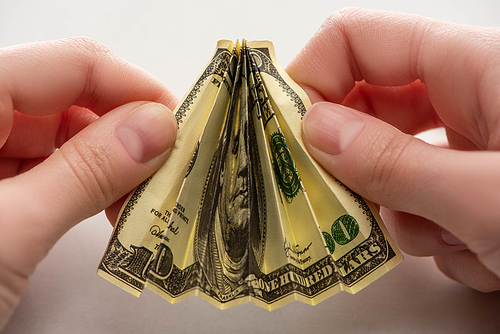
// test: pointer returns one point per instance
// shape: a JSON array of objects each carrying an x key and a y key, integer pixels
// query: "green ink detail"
[
  {"x": 330, "y": 244},
  {"x": 286, "y": 173},
  {"x": 351, "y": 226}
]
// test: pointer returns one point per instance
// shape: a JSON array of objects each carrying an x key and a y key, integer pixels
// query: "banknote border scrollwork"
[
  {"x": 376, "y": 237},
  {"x": 221, "y": 56},
  {"x": 115, "y": 242},
  {"x": 194, "y": 279},
  {"x": 130, "y": 206},
  {"x": 268, "y": 67}
]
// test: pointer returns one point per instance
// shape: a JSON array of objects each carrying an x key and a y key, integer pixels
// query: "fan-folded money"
[{"x": 241, "y": 212}]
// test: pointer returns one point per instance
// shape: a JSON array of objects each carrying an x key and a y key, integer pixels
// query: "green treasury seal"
[{"x": 286, "y": 173}]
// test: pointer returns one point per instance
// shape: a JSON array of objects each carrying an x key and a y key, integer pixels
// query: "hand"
[
  {"x": 51, "y": 97},
  {"x": 397, "y": 75}
]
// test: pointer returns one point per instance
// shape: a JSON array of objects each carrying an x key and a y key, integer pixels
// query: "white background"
[{"x": 174, "y": 40}]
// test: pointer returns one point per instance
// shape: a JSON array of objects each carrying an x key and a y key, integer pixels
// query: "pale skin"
[
  {"x": 395, "y": 74},
  {"x": 77, "y": 96}
]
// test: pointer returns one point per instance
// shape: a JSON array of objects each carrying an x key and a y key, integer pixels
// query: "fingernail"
[
  {"x": 450, "y": 239},
  {"x": 147, "y": 132},
  {"x": 331, "y": 128}
]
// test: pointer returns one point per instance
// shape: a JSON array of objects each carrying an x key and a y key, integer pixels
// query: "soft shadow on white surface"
[{"x": 67, "y": 297}]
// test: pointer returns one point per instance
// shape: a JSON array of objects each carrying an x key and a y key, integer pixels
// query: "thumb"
[
  {"x": 456, "y": 189},
  {"x": 88, "y": 173}
]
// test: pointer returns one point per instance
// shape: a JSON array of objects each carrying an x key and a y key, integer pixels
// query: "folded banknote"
[{"x": 241, "y": 212}]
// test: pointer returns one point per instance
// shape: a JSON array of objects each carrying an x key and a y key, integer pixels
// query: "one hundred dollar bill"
[{"x": 241, "y": 212}]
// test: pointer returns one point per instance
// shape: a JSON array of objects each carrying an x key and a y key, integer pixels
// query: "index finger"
[
  {"x": 357, "y": 44},
  {"x": 394, "y": 49},
  {"x": 48, "y": 77}
]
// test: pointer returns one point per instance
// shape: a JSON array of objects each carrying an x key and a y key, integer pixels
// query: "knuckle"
[
  {"x": 346, "y": 14},
  {"x": 88, "y": 45},
  {"x": 386, "y": 164},
  {"x": 350, "y": 18},
  {"x": 349, "y": 13},
  {"x": 341, "y": 20},
  {"x": 94, "y": 58},
  {"x": 92, "y": 170},
  {"x": 94, "y": 52},
  {"x": 464, "y": 267}
]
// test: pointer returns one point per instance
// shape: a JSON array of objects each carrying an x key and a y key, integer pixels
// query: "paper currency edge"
[
  {"x": 285, "y": 299},
  {"x": 397, "y": 257}
]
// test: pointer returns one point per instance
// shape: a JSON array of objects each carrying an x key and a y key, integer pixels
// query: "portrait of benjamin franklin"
[{"x": 230, "y": 232}]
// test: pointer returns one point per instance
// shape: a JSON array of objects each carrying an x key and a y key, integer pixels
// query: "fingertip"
[
  {"x": 149, "y": 131},
  {"x": 464, "y": 267},
  {"x": 331, "y": 128},
  {"x": 95, "y": 168},
  {"x": 418, "y": 236}
]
